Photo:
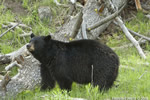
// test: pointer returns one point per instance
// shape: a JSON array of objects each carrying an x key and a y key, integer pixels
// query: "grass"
[{"x": 134, "y": 73}]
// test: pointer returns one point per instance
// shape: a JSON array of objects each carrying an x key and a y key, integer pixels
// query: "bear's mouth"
[{"x": 30, "y": 47}]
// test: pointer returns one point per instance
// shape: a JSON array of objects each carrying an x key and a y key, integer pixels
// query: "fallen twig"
[
  {"x": 142, "y": 75},
  {"x": 9, "y": 30},
  {"x": 12, "y": 65},
  {"x": 130, "y": 37},
  {"x": 25, "y": 34},
  {"x": 21, "y": 25},
  {"x": 137, "y": 34},
  {"x": 17, "y": 61}
]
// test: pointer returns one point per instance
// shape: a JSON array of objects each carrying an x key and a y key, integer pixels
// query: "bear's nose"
[{"x": 28, "y": 46}]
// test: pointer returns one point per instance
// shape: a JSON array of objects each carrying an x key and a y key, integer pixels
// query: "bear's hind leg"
[
  {"x": 101, "y": 81},
  {"x": 65, "y": 84},
  {"x": 101, "y": 85}
]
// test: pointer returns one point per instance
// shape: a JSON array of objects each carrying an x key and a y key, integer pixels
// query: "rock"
[{"x": 45, "y": 14}]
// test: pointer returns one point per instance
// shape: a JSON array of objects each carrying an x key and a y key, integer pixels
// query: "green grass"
[{"x": 134, "y": 72}]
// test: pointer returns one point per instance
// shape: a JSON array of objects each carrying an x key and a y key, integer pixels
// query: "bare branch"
[
  {"x": 77, "y": 25},
  {"x": 9, "y": 30},
  {"x": 21, "y": 25},
  {"x": 127, "y": 33},
  {"x": 12, "y": 65},
  {"x": 135, "y": 33},
  {"x": 5, "y": 81},
  {"x": 105, "y": 20},
  {"x": 139, "y": 35},
  {"x": 130, "y": 37},
  {"x": 25, "y": 34},
  {"x": 142, "y": 75},
  {"x": 83, "y": 28}
]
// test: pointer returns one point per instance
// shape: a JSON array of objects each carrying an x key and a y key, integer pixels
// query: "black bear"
[{"x": 81, "y": 61}]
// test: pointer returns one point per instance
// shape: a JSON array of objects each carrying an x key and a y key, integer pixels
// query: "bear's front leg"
[{"x": 48, "y": 81}]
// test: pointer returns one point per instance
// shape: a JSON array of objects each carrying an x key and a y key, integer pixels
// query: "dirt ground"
[{"x": 15, "y": 7}]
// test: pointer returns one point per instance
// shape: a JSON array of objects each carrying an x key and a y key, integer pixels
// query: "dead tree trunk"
[{"x": 29, "y": 71}]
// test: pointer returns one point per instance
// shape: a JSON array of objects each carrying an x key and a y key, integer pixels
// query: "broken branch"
[
  {"x": 77, "y": 25},
  {"x": 25, "y": 34},
  {"x": 139, "y": 35},
  {"x": 130, "y": 37},
  {"x": 108, "y": 18},
  {"x": 12, "y": 65},
  {"x": 83, "y": 30},
  {"x": 9, "y": 30},
  {"x": 21, "y": 25},
  {"x": 5, "y": 81}
]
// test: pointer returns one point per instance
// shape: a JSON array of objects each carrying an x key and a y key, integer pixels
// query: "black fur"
[{"x": 71, "y": 62}]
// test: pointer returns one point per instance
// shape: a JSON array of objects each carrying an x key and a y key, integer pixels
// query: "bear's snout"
[{"x": 30, "y": 47}]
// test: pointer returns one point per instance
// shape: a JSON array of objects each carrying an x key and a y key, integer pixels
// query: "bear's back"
[
  {"x": 89, "y": 45},
  {"x": 92, "y": 49}
]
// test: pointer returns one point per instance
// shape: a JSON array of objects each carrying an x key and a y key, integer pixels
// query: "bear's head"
[{"x": 37, "y": 45}]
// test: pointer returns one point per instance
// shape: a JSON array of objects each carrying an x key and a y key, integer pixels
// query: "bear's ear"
[
  {"x": 32, "y": 35},
  {"x": 46, "y": 38}
]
